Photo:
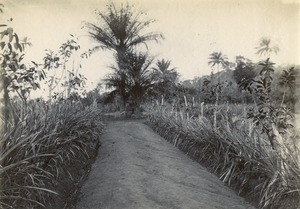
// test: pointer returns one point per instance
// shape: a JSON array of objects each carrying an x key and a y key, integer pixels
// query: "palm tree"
[
  {"x": 163, "y": 73},
  {"x": 217, "y": 58},
  {"x": 133, "y": 81},
  {"x": 140, "y": 77},
  {"x": 121, "y": 30},
  {"x": 266, "y": 48},
  {"x": 118, "y": 81},
  {"x": 165, "y": 78}
]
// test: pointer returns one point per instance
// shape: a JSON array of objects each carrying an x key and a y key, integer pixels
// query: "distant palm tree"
[
  {"x": 266, "y": 48},
  {"x": 165, "y": 78},
  {"x": 217, "y": 58},
  {"x": 163, "y": 73},
  {"x": 121, "y": 30}
]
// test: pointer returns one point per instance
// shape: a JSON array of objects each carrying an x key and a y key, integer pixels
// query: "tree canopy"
[{"x": 121, "y": 29}]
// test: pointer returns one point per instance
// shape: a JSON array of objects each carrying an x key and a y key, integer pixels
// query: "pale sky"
[{"x": 192, "y": 29}]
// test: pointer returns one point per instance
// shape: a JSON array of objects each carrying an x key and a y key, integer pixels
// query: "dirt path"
[{"x": 136, "y": 168}]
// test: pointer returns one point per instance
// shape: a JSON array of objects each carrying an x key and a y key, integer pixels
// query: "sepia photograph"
[{"x": 150, "y": 104}]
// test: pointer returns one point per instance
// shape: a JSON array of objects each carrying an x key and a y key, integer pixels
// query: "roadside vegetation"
[
  {"x": 47, "y": 147},
  {"x": 239, "y": 121},
  {"x": 240, "y": 128}
]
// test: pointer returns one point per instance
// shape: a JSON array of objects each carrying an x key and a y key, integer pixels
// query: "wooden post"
[
  {"x": 186, "y": 107},
  {"x": 185, "y": 101},
  {"x": 193, "y": 104},
  {"x": 94, "y": 103},
  {"x": 201, "y": 109}
]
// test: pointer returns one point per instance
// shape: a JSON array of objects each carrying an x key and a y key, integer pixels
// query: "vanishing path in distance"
[{"x": 136, "y": 168}]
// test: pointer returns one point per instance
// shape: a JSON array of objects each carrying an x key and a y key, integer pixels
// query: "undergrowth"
[
  {"x": 237, "y": 153},
  {"x": 46, "y": 150}
]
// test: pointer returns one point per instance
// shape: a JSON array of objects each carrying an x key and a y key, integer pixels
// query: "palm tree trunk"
[
  {"x": 121, "y": 53},
  {"x": 217, "y": 100}
]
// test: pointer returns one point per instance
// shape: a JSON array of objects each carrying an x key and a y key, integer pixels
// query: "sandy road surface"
[{"x": 136, "y": 168}]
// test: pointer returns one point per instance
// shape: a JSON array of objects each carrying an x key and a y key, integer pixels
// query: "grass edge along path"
[
  {"x": 46, "y": 153},
  {"x": 248, "y": 170}
]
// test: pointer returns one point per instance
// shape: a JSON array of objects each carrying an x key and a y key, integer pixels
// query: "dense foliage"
[
  {"x": 236, "y": 151},
  {"x": 41, "y": 149}
]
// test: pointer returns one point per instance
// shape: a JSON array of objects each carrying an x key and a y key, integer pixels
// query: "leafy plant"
[
  {"x": 16, "y": 76},
  {"x": 51, "y": 63},
  {"x": 267, "y": 115},
  {"x": 288, "y": 81},
  {"x": 66, "y": 50},
  {"x": 70, "y": 79}
]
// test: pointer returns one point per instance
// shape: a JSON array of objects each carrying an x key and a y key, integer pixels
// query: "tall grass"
[
  {"x": 39, "y": 145},
  {"x": 236, "y": 152}
]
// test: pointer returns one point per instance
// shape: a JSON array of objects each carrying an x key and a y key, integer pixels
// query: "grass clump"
[
  {"x": 45, "y": 152},
  {"x": 238, "y": 153}
]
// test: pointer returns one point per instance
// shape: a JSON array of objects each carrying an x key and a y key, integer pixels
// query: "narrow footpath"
[{"x": 136, "y": 168}]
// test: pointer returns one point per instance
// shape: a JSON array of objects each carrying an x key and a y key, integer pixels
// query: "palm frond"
[{"x": 121, "y": 29}]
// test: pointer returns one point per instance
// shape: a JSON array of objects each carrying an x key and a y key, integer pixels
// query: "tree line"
[{"x": 136, "y": 76}]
